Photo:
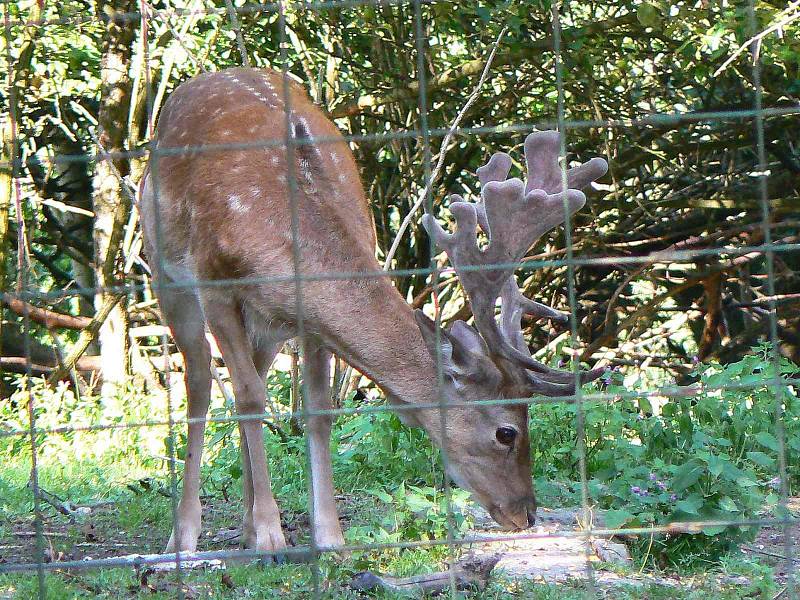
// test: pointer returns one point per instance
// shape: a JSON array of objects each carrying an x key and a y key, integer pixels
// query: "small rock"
[
  {"x": 611, "y": 552},
  {"x": 570, "y": 517},
  {"x": 735, "y": 580}
]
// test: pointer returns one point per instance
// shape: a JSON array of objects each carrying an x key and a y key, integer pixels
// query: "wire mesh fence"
[{"x": 129, "y": 277}]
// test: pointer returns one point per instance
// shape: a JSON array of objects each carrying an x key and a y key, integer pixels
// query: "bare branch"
[
  {"x": 787, "y": 17},
  {"x": 238, "y": 31},
  {"x": 423, "y": 194},
  {"x": 43, "y": 316},
  {"x": 86, "y": 338}
]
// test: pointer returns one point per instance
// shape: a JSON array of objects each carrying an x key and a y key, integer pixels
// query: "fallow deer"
[{"x": 241, "y": 159}]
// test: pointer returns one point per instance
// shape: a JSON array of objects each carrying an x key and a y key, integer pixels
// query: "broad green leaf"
[
  {"x": 382, "y": 496},
  {"x": 616, "y": 518},
  {"x": 727, "y": 504},
  {"x": 732, "y": 472},
  {"x": 716, "y": 465},
  {"x": 761, "y": 459},
  {"x": 687, "y": 475},
  {"x": 767, "y": 440},
  {"x": 648, "y": 15},
  {"x": 714, "y": 530},
  {"x": 690, "y": 505},
  {"x": 746, "y": 482},
  {"x": 751, "y": 379},
  {"x": 417, "y": 503},
  {"x": 235, "y": 470}
]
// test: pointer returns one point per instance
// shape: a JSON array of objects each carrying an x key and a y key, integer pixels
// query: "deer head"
[{"x": 492, "y": 360}]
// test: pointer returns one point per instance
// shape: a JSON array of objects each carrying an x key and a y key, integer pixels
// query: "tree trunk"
[
  {"x": 6, "y": 189},
  {"x": 109, "y": 202}
]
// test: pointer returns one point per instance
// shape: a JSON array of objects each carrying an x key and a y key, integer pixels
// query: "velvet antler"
[{"x": 514, "y": 215}]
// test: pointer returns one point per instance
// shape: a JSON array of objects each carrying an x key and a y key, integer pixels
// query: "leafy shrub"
[
  {"x": 81, "y": 424},
  {"x": 417, "y": 513},
  {"x": 696, "y": 458}
]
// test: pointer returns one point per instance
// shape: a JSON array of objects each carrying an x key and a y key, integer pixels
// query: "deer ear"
[
  {"x": 468, "y": 338},
  {"x": 457, "y": 346},
  {"x": 443, "y": 345}
]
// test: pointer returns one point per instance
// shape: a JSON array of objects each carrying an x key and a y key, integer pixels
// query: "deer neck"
[{"x": 380, "y": 337}]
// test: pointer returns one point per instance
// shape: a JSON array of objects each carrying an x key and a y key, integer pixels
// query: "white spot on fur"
[
  {"x": 305, "y": 171},
  {"x": 336, "y": 158},
  {"x": 281, "y": 177},
  {"x": 236, "y": 204},
  {"x": 274, "y": 159}
]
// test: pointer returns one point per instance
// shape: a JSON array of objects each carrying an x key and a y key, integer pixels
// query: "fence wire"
[{"x": 422, "y": 133}]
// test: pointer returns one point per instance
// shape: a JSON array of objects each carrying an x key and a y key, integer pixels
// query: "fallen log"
[{"x": 469, "y": 572}]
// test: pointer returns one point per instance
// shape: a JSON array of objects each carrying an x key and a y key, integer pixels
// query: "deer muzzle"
[{"x": 519, "y": 514}]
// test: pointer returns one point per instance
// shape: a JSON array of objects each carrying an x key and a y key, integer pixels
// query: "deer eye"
[{"x": 506, "y": 435}]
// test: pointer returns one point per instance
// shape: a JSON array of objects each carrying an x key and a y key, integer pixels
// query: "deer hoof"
[
  {"x": 271, "y": 540},
  {"x": 186, "y": 543},
  {"x": 331, "y": 543}
]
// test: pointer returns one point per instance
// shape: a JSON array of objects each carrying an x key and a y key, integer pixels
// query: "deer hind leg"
[
  {"x": 327, "y": 530},
  {"x": 182, "y": 312},
  {"x": 263, "y": 356},
  {"x": 226, "y": 323}
]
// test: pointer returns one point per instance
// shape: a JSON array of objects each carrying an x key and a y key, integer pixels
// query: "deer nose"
[{"x": 530, "y": 510}]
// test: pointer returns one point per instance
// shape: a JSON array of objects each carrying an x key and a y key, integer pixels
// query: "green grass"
[
  {"x": 297, "y": 582},
  {"x": 140, "y": 518},
  {"x": 391, "y": 481}
]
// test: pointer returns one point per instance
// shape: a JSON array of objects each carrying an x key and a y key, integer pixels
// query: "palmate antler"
[{"x": 514, "y": 215}]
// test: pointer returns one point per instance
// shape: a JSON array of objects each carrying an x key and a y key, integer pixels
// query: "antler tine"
[
  {"x": 514, "y": 305},
  {"x": 495, "y": 170},
  {"x": 542, "y": 150}
]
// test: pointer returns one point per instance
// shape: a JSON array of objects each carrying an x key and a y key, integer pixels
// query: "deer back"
[{"x": 235, "y": 150}]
